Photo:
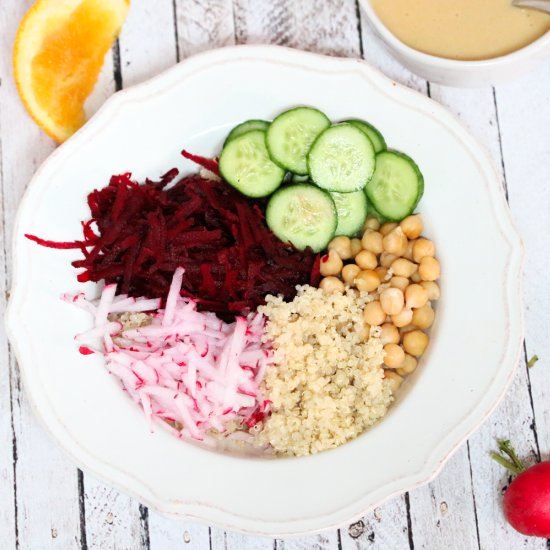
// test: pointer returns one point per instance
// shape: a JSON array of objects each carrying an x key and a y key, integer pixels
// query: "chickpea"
[
  {"x": 355, "y": 247},
  {"x": 394, "y": 380},
  {"x": 389, "y": 334},
  {"x": 403, "y": 318},
  {"x": 409, "y": 365},
  {"x": 386, "y": 259},
  {"x": 372, "y": 241},
  {"x": 432, "y": 288},
  {"x": 393, "y": 356},
  {"x": 367, "y": 280},
  {"x": 423, "y": 247},
  {"x": 399, "y": 282},
  {"x": 415, "y": 277},
  {"x": 423, "y": 317},
  {"x": 405, "y": 329},
  {"x": 395, "y": 242},
  {"x": 342, "y": 246},
  {"x": 412, "y": 226},
  {"x": 331, "y": 264},
  {"x": 409, "y": 252},
  {"x": 382, "y": 272},
  {"x": 366, "y": 260},
  {"x": 373, "y": 314},
  {"x": 403, "y": 268},
  {"x": 349, "y": 272},
  {"x": 387, "y": 227},
  {"x": 372, "y": 223},
  {"x": 416, "y": 296},
  {"x": 429, "y": 269},
  {"x": 392, "y": 300},
  {"x": 415, "y": 342},
  {"x": 331, "y": 284}
]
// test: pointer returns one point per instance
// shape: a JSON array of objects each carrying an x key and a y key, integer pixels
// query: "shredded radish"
[{"x": 186, "y": 366}]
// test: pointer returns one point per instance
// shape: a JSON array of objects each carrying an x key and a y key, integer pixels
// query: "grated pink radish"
[{"x": 187, "y": 366}]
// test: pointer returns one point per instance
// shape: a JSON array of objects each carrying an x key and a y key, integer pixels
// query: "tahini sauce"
[{"x": 462, "y": 29}]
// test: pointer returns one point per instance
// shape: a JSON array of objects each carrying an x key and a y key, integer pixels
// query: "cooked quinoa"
[{"x": 327, "y": 385}]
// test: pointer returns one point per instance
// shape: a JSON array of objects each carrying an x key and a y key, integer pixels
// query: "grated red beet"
[{"x": 144, "y": 232}]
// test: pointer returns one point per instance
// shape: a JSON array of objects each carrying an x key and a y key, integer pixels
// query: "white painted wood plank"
[
  {"x": 510, "y": 421},
  {"x": 165, "y": 534},
  {"x": 7, "y": 478},
  {"x": 385, "y": 527},
  {"x": 46, "y": 482},
  {"x": 524, "y": 117},
  {"x": 229, "y": 540},
  {"x": 443, "y": 514},
  {"x": 328, "y": 27},
  {"x": 148, "y": 41},
  {"x": 476, "y": 109},
  {"x": 329, "y": 540},
  {"x": 203, "y": 25}
]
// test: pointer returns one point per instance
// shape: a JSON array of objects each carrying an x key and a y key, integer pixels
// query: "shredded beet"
[{"x": 140, "y": 234}]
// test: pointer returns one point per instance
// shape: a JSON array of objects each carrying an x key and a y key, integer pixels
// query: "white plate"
[{"x": 475, "y": 342}]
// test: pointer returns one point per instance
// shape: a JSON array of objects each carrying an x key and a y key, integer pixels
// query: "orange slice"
[{"x": 59, "y": 51}]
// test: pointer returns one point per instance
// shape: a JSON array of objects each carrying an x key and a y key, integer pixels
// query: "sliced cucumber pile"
[
  {"x": 302, "y": 215},
  {"x": 352, "y": 212},
  {"x": 341, "y": 159},
  {"x": 246, "y": 165},
  {"x": 247, "y": 126},
  {"x": 291, "y": 134},
  {"x": 332, "y": 175},
  {"x": 372, "y": 133},
  {"x": 396, "y": 186}
]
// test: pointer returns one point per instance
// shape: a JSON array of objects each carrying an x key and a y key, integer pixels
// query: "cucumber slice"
[
  {"x": 245, "y": 127},
  {"x": 371, "y": 211},
  {"x": 245, "y": 164},
  {"x": 297, "y": 178},
  {"x": 291, "y": 134},
  {"x": 396, "y": 187},
  {"x": 372, "y": 133},
  {"x": 352, "y": 212},
  {"x": 302, "y": 215},
  {"x": 341, "y": 159}
]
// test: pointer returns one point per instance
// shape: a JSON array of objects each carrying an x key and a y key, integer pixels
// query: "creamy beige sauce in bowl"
[{"x": 462, "y": 29}]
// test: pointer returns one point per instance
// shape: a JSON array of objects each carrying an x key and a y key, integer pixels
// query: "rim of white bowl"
[
  {"x": 531, "y": 49},
  {"x": 229, "y": 520}
]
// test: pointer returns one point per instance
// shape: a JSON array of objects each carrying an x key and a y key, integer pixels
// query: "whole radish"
[{"x": 527, "y": 499}]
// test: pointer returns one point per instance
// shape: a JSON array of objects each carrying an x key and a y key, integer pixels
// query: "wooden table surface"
[{"x": 45, "y": 502}]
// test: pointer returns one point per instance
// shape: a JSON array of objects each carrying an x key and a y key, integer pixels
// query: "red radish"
[{"x": 527, "y": 499}]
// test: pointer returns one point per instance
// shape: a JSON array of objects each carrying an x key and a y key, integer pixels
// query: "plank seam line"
[
  {"x": 409, "y": 521},
  {"x": 359, "y": 29},
  {"x": 505, "y": 182},
  {"x": 529, "y": 390},
  {"x": 210, "y": 537},
  {"x": 176, "y": 33},
  {"x": 339, "y": 535},
  {"x": 82, "y": 510},
  {"x": 11, "y": 380},
  {"x": 473, "y": 495},
  {"x": 144, "y": 522},
  {"x": 117, "y": 69}
]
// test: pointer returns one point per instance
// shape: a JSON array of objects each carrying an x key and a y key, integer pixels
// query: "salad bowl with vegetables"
[{"x": 273, "y": 287}]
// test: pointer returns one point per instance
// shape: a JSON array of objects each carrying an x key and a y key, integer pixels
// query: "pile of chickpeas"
[{"x": 397, "y": 266}]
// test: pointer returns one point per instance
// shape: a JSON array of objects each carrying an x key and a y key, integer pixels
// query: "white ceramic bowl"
[
  {"x": 454, "y": 72},
  {"x": 475, "y": 341}
]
